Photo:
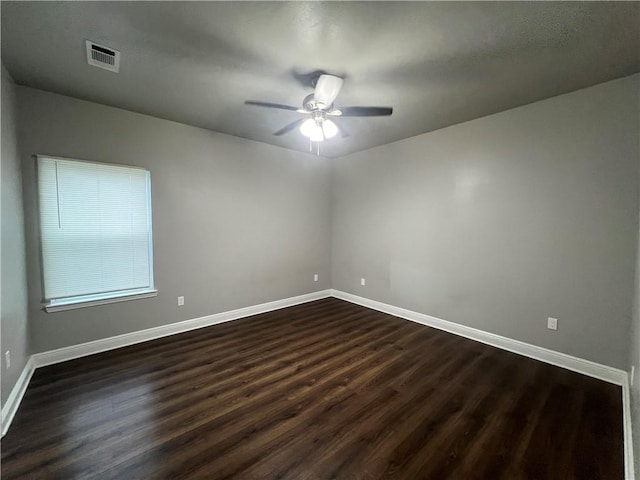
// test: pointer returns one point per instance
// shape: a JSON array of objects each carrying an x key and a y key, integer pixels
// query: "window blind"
[{"x": 95, "y": 226}]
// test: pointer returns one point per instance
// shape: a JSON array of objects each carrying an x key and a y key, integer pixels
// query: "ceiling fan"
[{"x": 318, "y": 106}]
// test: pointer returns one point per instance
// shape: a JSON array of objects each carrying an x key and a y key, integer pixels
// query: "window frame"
[{"x": 89, "y": 300}]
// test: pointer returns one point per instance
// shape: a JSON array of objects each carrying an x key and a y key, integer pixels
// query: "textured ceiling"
[{"x": 436, "y": 63}]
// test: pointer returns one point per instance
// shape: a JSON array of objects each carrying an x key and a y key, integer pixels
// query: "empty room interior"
[{"x": 320, "y": 240}]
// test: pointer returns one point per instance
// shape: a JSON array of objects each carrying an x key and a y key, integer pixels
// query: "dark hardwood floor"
[{"x": 324, "y": 390}]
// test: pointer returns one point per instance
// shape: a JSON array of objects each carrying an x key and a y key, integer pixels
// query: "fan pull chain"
[{"x": 317, "y": 147}]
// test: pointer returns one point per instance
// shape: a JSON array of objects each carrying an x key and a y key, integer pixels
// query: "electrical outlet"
[
  {"x": 552, "y": 323},
  {"x": 315, "y": 277},
  {"x": 363, "y": 281},
  {"x": 7, "y": 359},
  {"x": 180, "y": 301},
  {"x": 633, "y": 371}
]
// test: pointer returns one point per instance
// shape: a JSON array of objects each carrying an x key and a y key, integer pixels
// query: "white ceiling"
[{"x": 436, "y": 64}]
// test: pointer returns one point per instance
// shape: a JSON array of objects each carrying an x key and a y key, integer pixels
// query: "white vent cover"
[{"x": 103, "y": 57}]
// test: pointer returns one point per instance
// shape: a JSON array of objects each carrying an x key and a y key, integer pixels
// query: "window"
[{"x": 95, "y": 227}]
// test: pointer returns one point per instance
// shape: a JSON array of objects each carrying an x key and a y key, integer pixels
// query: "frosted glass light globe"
[
  {"x": 308, "y": 127},
  {"x": 317, "y": 135},
  {"x": 330, "y": 129}
]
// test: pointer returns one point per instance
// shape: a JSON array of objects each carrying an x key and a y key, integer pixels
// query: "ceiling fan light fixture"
[
  {"x": 317, "y": 135},
  {"x": 308, "y": 127},
  {"x": 312, "y": 129},
  {"x": 329, "y": 129},
  {"x": 317, "y": 106}
]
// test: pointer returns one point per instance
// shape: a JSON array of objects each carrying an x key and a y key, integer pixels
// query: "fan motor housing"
[{"x": 310, "y": 104}]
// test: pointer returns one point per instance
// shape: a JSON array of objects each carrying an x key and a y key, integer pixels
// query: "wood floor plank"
[{"x": 323, "y": 390}]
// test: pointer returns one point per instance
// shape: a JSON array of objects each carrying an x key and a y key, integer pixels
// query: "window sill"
[{"x": 84, "y": 302}]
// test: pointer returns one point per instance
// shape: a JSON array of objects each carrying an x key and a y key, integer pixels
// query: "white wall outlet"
[
  {"x": 315, "y": 277},
  {"x": 632, "y": 375},
  {"x": 180, "y": 301},
  {"x": 363, "y": 281},
  {"x": 552, "y": 323},
  {"x": 7, "y": 359}
]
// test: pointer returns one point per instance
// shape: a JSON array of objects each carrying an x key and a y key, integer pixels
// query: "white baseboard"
[
  {"x": 586, "y": 367},
  {"x": 89, "y": 348},
  {"x": 119, "y": 341},
  {"x": 579, "y": 365},
  {"x": 15, "y": 397},
  {"x": 629, "y": 467}
]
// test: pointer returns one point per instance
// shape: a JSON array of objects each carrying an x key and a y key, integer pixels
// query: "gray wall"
[
  {"x": 501, "y": 222},
  {"x": 496, "y": 223},
  {"x": 13, "y": 303},
  {"x": 235, "y": 222},
  {"x": 634, "y": 359}
]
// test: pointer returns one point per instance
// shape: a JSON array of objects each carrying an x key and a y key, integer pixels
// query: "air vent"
[{"x": 103, "y": 57}]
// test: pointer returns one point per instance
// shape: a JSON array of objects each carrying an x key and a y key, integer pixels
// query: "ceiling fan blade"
[
  {"x": 271, "y": 105},
  {"x": 366, "y": 111},
  {"x": 291, "y": 126},
  {"x": 327, "y": 89}
]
